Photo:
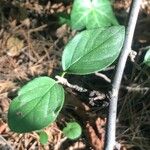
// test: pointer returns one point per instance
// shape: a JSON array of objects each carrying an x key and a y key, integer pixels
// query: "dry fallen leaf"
[
  {"x": 14, "y": 46},
  {"x": 96, "y": 135},
  {"x": 6, "y": 85},
  {"x": 3, "y": 126}
]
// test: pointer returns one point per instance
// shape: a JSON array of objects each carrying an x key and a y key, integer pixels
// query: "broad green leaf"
[
  {"x": 36, "y": 106},
  {"x": 93, "y": 50},
  {"x": 43, "y": 137},
  {"x": 92, "y": 14},
  {"x": 72, "y": 130},
  {"x": 147, "y": 58}
]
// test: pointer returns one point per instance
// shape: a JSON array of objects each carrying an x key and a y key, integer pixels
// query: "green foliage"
[
  {"x": 36, "y": 106},
  {"x": 92, "y": 14},
  {"x": 72, "y": 130},
  {"x": 64, "y": 19},
  {"x": 147, "y": 58},
  {"x": 43, "y": 137},
  {"x": 39, "y": 102},
  {"x": 93, "y": 50}
]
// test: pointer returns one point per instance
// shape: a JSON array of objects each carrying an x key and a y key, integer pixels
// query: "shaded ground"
[{"x": 31, "y": 44}]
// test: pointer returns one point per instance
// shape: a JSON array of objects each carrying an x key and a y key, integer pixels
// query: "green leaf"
[
  {"x": 64, "y": 18},
  {"x": 92, "y": 14},
  {"x": 36, "y": 106},
  {"x": 72, "y": 131},
  {"x": 43, "y": 137},
  {"x": 147, "y": 58},
  {"x": 93, "y": 50}
]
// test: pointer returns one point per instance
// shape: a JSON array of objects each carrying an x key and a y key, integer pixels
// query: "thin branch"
[
  {"x": 103, "y": 76},
  {"x": 65, "y": 82},
  {"x": 135, "y": 89},
  {"x": 111, "y": 123},
  {"x": 4, "y": 140}
]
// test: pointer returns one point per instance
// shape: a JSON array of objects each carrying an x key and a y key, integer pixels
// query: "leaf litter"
[{"x": 31, "y": 44}]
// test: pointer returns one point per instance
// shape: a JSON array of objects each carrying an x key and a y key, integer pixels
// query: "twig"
[
  {"x": 2, "y": 139},
  {"x": 40, "y": 28},
  {"x": 103, "y": 76},
  {"x": 145, "y": 48},
  {"x": 111, "y": 123},
  {"x": 135, "y": 89},
  {"x": 65, "y": 82},
  {"x": 93, "y": 95}
]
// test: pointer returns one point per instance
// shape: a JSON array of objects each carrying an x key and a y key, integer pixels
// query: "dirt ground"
[{"x": 31, "y": 43}]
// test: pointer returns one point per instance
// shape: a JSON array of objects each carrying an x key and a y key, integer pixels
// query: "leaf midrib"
[
  {"x": 104, "y": 14},
  {"x": 81, "y": 19},
  {"x": 20, "y": 93},
  {"x": 37, "y": 102}
]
